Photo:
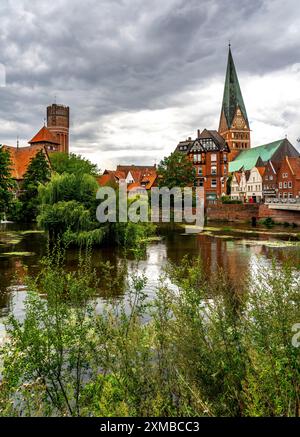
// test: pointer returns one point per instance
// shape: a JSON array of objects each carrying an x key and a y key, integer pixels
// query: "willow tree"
[{"x": 68, "y": 208}]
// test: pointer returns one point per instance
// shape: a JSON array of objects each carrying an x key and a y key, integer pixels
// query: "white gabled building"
[
  {"x": 235, "y": 186},
  {"x": 239, "y": 185},
  {"x": 254, "y": 185}
]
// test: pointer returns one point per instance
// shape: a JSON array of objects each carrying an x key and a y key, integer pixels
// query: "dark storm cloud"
[{"x": 106, "y": 57}]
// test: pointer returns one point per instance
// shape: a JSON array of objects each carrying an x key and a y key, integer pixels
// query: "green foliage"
[
  {"x": 132, "y": 235},
  {"x": 176, "y": 170},
  {"x": 7, "y": 184},
  {"x": 62, "y": 216},
  {"x": 48, "y": 360},
  {"x": 68, "y": 203},
  {"x": 63, "y": 188},
  {"x": 38, "y": 172},
  {"x": 201, "y": 348},
  {"x": 68, "y": 209},
  {"x": 72, "y": 164},
  {"x": 268, "y": 222}
]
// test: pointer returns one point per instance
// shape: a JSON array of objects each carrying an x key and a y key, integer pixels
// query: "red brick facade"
[
  {"x": 269, "y": 180},
  {"x": 288, "y": 178},
  {"x": 247, "y": 212},
  {"x": 209, "y": 155},
  {"x": 58, "y": 122},
  {"x": 211, "y": 172}
]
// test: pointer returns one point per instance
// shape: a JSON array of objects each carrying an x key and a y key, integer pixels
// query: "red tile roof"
[
  {"x": 134, "y": 185},
  {"x": 149, "y": 180},
  {"x": 261, "y": 170},
  {"x": 238, "y": 176},
  {"x": 143, "y": 169},
  {"x": 143, "y": 176},
  {"x": 110, "y": 176},
  {"x": 44, "y": 136},
  {"x": 21, "y": 157}
]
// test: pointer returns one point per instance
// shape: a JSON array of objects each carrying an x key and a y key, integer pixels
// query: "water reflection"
[{"x": 240, "y": 254}]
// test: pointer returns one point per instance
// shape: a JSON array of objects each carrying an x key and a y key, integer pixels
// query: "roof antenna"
[
  {"x": 229, "y": 43},
  {"x": 44, "y": 121},
  {"x": 18, "y": 142}
]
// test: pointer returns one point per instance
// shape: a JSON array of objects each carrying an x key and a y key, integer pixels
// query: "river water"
[{"x": 239, "y": 249}]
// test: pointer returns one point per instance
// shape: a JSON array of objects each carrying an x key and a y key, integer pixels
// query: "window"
[
  {"x": 280, "y": 184},
  {"x": 214, "y": 183},
  {"x": 213, "y": 157},
  {"x": 201, "y": 183},
  {"x": 225, "y": 169},
  {"x": 284, "y": 195},
  {"x": 253, "y": 179},
  {"x": 200, "y": 172},
  {"x": 290, "y": 195},
  {"x": 271, "y": 178},
  {"x": 213, "y": 169},
  {"x": 225, "y": 157},
  {"x": 208, "y": 143},
  {"x": 290, "y": 184},
  {"x": 284, "y": 184},
  {"x": 267, "y": 178},
  {"x": 197, "y": 157}
]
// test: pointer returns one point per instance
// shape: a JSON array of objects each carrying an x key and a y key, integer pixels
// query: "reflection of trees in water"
[
  {"x": 239, "y": 261},
  {"x": 12, "y": 274},
  {"x": 215, "y": 253}
]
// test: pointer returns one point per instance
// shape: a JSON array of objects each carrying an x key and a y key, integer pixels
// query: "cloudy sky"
[{"x": 140, "y": 75}]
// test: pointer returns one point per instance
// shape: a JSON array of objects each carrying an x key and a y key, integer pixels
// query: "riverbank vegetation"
[
  {"x": 61, "y": 198},
  {"x": 200, "y": 348}
]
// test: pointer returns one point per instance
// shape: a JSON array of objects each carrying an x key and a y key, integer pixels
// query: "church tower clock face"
[{"x": 240, "y": 123}]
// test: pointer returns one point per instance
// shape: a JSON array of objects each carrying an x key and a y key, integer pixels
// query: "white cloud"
[{"x": 139, "y": 76}]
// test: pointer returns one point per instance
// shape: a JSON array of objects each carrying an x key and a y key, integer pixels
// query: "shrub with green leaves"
[{"x": 201, "y": 347}]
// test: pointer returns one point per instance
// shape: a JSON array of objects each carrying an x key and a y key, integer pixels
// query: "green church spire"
[{"x": 232, "y": 97}]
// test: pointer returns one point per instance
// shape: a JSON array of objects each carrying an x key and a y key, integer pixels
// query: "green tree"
[
  {"x": 7, "y": 184},
  {"x": 72, "y": 163},
  {"x": 68, "y": 210},
  {"x": 38, "y": 172},
  {"x": 176, "y": 170},
  {"x": 68, "y": 204}
]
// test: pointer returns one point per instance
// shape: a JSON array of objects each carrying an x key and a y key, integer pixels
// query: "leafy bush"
[
  {"x": 268, "y": 222},
  {"x": 201, "y": 348}
]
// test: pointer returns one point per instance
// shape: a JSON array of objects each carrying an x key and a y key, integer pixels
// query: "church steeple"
[{"x": 234, "y": 124}]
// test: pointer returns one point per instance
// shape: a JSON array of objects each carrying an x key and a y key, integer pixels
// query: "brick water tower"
[{"x": 58, "y": 122}]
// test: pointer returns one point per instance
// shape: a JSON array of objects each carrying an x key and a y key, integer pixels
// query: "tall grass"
[{"x": 201, "y": 348}]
